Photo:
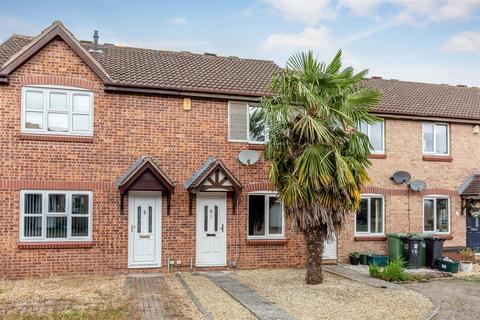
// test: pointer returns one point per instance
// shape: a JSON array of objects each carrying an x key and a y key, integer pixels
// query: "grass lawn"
[
  {"x": 336, "y": 298},
  {"x": 76, "y": 297}
]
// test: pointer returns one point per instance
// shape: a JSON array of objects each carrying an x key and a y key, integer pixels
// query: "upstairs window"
[
  {"x": 55, "y": 215},
  {"x": 369, "y": 219},
  {"x": 375, "y": 133},
  {"x": 435, "y": 138},
  {"x": 265, "y": 216},
  {"x": 57, "y": 111},
  {"x": 245, "y": 123}
]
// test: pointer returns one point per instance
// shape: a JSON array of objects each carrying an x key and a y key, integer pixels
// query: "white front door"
[
  {"x": 330, "y": 249},
  {"x": 211, "y": 229},
  {"x": 145, "y": 232}
]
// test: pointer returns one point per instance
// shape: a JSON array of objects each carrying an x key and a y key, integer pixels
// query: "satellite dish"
[
  {"x": 248, "y": 157},
  {"x": 401, "y": 177},
  {"x": 418, "y": 185}
]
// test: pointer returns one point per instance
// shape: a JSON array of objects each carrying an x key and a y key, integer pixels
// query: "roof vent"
[
  {"x": 210, "y": 54},
  {"x": 461, "y": 85},
  {"x": 376, "y": 77},
  {"x": 95, "y": 47}
]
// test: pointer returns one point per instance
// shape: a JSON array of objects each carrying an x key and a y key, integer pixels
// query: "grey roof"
[
  {"x": 206, "y": 73},
  {"x": 200, "y": 172},
  {"x": 172, "y": 70}
]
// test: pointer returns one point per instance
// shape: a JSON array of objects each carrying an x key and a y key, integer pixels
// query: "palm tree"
[{"x": 319, "y": 159}]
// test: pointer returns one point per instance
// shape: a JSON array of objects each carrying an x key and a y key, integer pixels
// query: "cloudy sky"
[{"x": 434, "y": 41}]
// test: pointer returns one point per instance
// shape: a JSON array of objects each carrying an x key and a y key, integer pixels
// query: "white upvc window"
[
  {"x": 57, "y": 110},
  {"x": 435, "y": 138},
  {"x": 436, "y": 214},
  {"x": 375, "y": 133},
  {"x": 265, "y": 216},
  {"x": 55, "y": 215},
  {"x": 245, "y": 123},
  {"x": 370, "y": 217}
]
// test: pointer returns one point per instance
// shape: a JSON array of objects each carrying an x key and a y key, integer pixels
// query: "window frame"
[
  {"x": 45, "y": 213},
  {"x": 267, "y": 236},
  {"x": 369, "y": 196},
  {"x": 46, "y": 110},
  {"x": 435, "y": 197},
  {"x": 434, "y": 152},
  {"x": 248, "y": 106},
  {"x": 372, "y": 151}
]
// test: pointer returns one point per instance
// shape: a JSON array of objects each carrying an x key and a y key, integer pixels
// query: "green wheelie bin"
[{"x": 394, "y": 245}]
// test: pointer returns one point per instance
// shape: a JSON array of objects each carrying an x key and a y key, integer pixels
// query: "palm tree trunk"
[{"x": 314, "y": 238}]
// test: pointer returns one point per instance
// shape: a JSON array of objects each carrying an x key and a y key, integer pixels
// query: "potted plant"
[
  {"x": 466, "y": 259},
  {"x": 355, "y": 258}
]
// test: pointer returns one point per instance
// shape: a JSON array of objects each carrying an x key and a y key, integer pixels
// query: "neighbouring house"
[{"x": 115, "y": 158}]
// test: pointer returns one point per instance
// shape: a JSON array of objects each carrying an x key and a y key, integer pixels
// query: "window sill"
[
  {"x": 370, "y": 238},
  {"x": 266, "y": 242},
  {"x": 437, "y": 158},
  {"x": 377, "y": 156},
  {"x": 259, "y": 147},
  {"x": 58, "y": 138},
  {"x": 55, "y": 245}
]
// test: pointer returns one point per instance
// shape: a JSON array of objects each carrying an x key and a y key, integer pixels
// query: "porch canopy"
[
  {"x": 470, "y": 192},
  {"x": 145, "y": 175},
  {"x": 213, "y": 176}
]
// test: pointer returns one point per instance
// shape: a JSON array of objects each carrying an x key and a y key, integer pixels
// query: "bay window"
[
  {"x": 53, "y": 110},
  {"x": 55, "y": 215},
  {"x": 265, "y": 216},
  {"x": 369, "y": 219}
]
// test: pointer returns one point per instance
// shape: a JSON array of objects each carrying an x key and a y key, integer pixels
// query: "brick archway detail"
[{"x": 57, "y": 81}]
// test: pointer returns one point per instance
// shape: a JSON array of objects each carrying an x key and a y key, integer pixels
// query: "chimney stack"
[{"x": 95, "y": 47}]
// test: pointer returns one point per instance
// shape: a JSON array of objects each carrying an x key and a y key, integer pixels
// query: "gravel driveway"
[
  {"x": 457, "y": 299},
  {"x": 336, "y": 298}
]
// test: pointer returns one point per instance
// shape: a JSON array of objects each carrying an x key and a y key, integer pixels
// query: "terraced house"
[{"x": 115, "y": 158}]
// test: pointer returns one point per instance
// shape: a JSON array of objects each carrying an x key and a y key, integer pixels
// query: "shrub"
[
  {"x": 394, "y": 271},
  {"x": 355, "y": 254}
]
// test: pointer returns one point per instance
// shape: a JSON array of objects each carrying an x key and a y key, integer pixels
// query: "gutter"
[
  {"x": 406, "y": 116},
  {"x": 111, "y": 87},
  {"x": 4, "y": 80}
]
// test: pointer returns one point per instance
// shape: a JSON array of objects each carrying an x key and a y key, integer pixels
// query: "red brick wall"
[{"x": 127, "y": 126}]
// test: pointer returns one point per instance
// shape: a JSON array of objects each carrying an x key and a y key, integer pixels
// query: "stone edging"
[{"x": 207, "y": 315}]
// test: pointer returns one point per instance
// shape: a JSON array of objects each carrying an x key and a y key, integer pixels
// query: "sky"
[{"x": 436, "y": 41}]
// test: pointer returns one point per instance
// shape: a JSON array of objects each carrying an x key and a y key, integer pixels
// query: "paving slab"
[
  {"x": 360, "y": 276},
  {"x": 147, "y": 291},
  {"x": 259, "y": 306}
]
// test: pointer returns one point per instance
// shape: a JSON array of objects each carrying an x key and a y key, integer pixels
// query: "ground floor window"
[
  {"x": 265, "y": 216},
  {"x": 436, "y": 214},
  {"x": 55, "y": 215},
  {"x": 370, "y": 218}
]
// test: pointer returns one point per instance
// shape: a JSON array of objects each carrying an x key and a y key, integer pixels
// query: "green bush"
[{"x": 394, "y": 271}]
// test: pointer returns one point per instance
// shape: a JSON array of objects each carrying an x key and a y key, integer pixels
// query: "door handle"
[
  {"x": 210, "y": 234},
  {"x": 132, "y": 228},
  {"x": 221, "y": 228}
]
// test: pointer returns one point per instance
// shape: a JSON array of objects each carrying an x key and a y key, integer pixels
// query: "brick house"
[{"x": 116, "y": 158}]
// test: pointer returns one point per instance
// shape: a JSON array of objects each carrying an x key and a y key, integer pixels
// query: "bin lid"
[
  {"x": 397, "y": 235},
  {"x": 434, "y": 238}
]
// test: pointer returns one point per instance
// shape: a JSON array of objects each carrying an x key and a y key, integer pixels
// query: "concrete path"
[
  {"x": 147, "y": 291},
  {"x": 259, "y": 306},
  {"x": 455, "y": 299},
  {"x": 349, "y": 273}
]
